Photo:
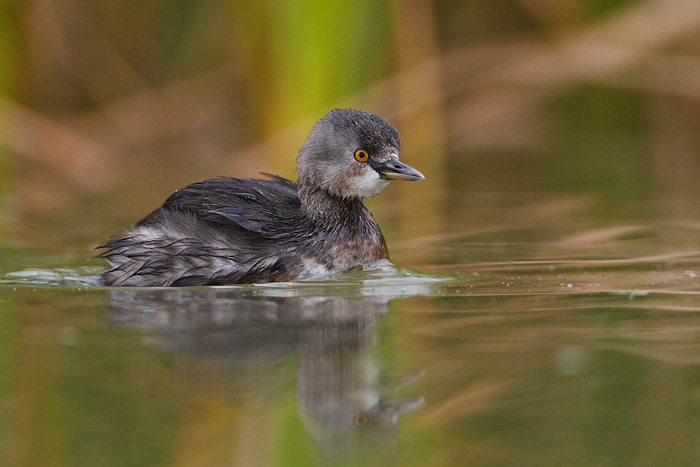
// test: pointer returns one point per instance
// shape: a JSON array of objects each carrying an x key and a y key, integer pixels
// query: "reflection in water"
[{"x": 342, "y": 398}]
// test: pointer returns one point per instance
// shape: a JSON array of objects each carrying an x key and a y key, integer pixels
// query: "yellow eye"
[
  {"x": 360, "y": 418},
  {"x": 361, "y": 155}
]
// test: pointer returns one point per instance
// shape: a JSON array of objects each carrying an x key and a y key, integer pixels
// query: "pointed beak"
[{"x": 394, "y": 169}]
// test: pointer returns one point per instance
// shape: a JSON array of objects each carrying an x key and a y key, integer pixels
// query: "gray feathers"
[{"x": 229, "y": 230}]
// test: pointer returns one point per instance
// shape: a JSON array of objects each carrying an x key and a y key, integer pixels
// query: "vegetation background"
[
  {"x": 551, "y": 133},
  {"x": 106, "y": 107}
]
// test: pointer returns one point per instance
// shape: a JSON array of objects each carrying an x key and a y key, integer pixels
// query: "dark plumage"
[{"x": 229, "y": 230}]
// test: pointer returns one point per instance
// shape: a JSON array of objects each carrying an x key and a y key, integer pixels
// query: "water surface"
[
  {"x": 556, "y": 357},
  {"x": 548, "y": 314}
]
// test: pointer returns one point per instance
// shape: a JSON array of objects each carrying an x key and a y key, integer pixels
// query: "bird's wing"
[{"x": 270, "y": 208}]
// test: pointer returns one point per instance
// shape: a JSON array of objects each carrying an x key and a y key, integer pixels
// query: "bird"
[{"x": 225, "y": 230}]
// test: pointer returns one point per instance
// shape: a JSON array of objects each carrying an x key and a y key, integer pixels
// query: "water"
[
  {"x": 546, "y": 312},
  {"x": 552, "y": 358}
]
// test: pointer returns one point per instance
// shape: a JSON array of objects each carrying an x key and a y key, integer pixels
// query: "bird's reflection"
[{"x": 344, "y": 399}]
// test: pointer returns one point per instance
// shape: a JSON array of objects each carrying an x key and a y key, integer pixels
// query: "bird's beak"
[{"x": 394, "y": 169}]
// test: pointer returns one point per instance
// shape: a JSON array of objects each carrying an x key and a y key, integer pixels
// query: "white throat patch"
[{"x": 366, "y": 185}]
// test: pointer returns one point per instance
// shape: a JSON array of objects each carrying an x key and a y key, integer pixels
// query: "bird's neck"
[
  {"x": 346, "y": 220},
  {"x": 321, "y": 206}
]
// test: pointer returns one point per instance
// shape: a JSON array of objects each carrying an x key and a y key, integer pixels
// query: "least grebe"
[{"x": 232, "y": 231}]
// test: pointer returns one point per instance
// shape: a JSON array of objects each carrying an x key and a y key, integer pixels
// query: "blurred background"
[
  {"x": 559, "y": 139},
  {"x": 107, "y": 107}
]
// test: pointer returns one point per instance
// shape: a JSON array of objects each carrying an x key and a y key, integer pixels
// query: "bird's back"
[{"x": 218, "y": 231}]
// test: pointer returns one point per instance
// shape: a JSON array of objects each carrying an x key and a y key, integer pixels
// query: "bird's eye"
[
  {"x": 360, "y": 418},
  {"x": 361, "y": 155}
]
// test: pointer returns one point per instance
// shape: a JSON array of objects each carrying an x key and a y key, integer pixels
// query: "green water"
[{"x": 571, "y": 343}]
